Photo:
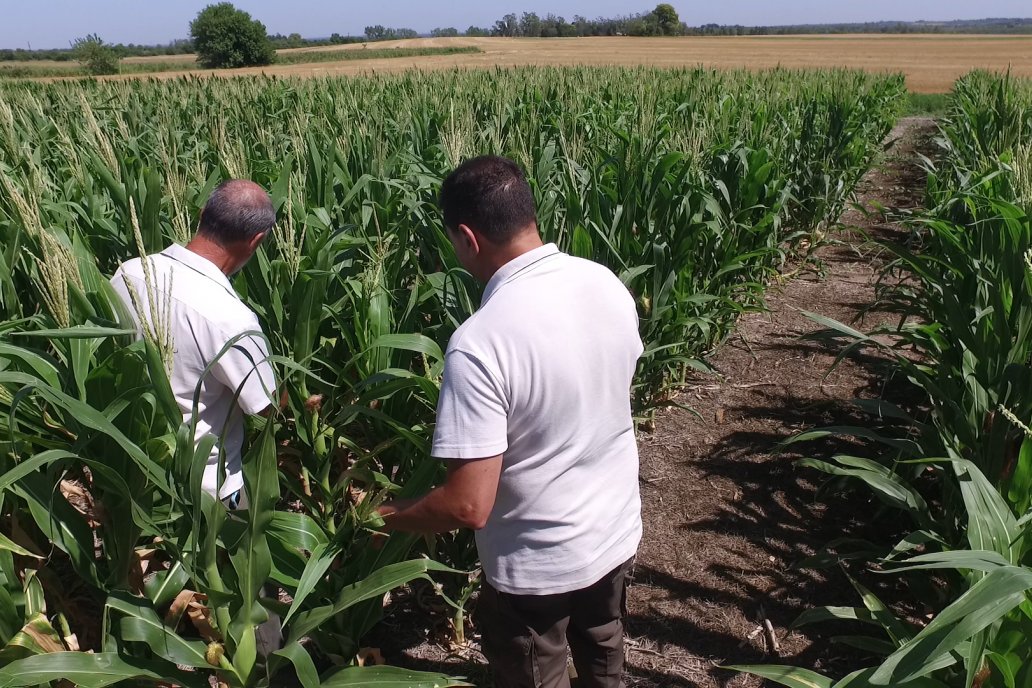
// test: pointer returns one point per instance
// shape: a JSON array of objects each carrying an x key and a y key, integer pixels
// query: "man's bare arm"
[
  {"x": 312, "y": 403},
  {"x": 465, "y": 500}
]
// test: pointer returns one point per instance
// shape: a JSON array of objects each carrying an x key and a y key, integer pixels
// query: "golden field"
[{"x": 931, "y": 62}]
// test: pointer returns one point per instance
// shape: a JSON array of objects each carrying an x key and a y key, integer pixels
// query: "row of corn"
[
  {"x": 694, "y": 186},
  {"x": 954, "y": 464}
]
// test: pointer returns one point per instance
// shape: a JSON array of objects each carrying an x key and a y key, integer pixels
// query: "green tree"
[
  {"x": 667, "y": 21},
  {"x": 644, "y": 25},
  {"x": 95, "y": 56},
  {"x": 508, "y": 26},
  {"x": 227, "y": 37},
  {"x": 530, "y": 25}
]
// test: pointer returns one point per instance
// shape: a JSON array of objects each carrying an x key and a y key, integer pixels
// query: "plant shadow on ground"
[
  {"x": 727, "y": 515},
  {"x": 748, "y": 517}
]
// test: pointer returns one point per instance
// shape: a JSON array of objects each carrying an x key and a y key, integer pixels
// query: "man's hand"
[
  {"x": 278, "y": 408},
  {"x": 384, "y": 510},
  {"x": 313, "y": 404},
  {"x": 394, "y": 506}
]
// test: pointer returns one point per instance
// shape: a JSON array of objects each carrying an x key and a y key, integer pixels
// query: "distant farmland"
[{"x": 931, "y": 62}]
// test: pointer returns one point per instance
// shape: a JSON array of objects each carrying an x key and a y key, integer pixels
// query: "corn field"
[
  {"x": 957, "y": 468},
  {"x": 694, "y": 186}
]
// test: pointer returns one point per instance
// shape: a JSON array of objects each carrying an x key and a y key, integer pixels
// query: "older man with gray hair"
[{"x": 205, "y": 315}]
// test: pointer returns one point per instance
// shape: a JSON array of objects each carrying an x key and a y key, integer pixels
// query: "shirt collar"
[
  {"x": 200, "y": 264},
  {"x": 516, "y": 266}
]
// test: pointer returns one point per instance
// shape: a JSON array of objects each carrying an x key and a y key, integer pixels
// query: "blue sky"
[{"x": 54, "y": 23}]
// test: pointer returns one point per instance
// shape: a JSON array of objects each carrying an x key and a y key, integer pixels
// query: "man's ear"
[
  {"x": 467, "y": 236},
  {"x": 254, "y": 242}
]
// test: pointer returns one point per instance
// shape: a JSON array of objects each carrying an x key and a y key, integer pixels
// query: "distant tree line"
[
  {"x": 383, "y": 33},
  {"x": 177, "y": 47},
  {"x": 1002, "y": 26},
  {"x": 662, "y": 21}
]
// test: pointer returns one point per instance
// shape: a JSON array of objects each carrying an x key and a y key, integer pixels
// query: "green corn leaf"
[
  {"x": 304, "y": 667},
  {"x": 95, "y": 420},
  {"x": 991, "y": 523},
  {"x": 988, "y": 600},
  {"x": 60, "y": 523},
  {"x": 298, "y": 531},
  {"x": 878, "y": 647},
  {"x": 40, "y": 365},
  {"x": 86, "y": 670},
  {"x": 965, "y": 560},
  {"x": 862, "y": 679},
  {"x": 36, "y": 637},
  {"x": 250, "y": 555},
  {"x": 142, "y": 624},
  {"x": 322, "y": 558},
  {"x": 31, "y": 465},
  {"x": 819, "y": 614},
  {"x": 78, "y": 332},
  {"x": 793, "y": 677},
  {"x": 162, "y": 388},
  {"x": 892, "y": 626},
  {"x": 409, "y": 342},
  {"x": 376, "y": 584},
  {"x": 165, "y": 585},
  {"x": 9, "y": 545},
  {"x": 389, "y": 677}
]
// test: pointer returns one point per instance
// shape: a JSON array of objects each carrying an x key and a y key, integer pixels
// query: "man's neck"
[
  {"x": 212, "y": 252},
  {"x": 524, "y": 243}
]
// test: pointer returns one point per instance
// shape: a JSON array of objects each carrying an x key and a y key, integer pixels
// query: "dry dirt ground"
[
  {"x": 727, "y": 516},
  {"x": 931, "y": 62}
]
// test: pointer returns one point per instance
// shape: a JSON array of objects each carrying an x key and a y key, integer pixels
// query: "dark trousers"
[{"x": 525, "y": 637}]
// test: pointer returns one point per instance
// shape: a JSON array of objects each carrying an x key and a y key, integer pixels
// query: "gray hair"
[{"x": 237, "y": 210}]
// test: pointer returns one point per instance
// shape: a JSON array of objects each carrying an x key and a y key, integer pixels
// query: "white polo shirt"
[
  {"x": 541, "y": 374},
  {"x": 206, "y": 314}
]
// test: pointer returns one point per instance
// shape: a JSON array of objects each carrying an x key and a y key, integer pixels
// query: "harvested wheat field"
[{"x": 932, "y": 63}]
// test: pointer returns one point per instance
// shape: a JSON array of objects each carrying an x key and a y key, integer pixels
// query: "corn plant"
[
  {"x": 962, "y": 290},
  {"x": 97, "y": 456},
  {"x": 692, "y": 185}
]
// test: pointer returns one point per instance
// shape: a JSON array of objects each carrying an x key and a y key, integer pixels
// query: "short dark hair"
[
  {"x": 237, "y": 210},
  {"x": 489, "y": 194}
]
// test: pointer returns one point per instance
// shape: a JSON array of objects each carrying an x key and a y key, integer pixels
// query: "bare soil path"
[{"x": 726, "y": 516}]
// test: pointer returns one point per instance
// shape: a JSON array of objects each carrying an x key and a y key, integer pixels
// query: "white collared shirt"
[
  {"x": 541, "y": 374},
  {"x": 206, "y": 314}
]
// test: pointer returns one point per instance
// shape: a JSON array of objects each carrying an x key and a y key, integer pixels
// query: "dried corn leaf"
[{"x": 193, "y": 605}]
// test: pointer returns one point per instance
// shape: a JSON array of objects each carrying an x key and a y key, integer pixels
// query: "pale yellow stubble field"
[{"x": 931, "y": 62}]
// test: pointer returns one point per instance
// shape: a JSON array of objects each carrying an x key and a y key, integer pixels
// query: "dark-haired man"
[
  {"x": 534, "y": 421},
  {"x": 205, "y": 314}
]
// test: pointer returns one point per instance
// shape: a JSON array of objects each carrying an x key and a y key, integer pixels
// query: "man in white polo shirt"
[
  {"x": 535, "y": 423},
  {"x": 205, "y": 315}
]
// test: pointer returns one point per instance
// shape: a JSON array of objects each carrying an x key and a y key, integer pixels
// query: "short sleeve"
[
  {"x": 245, "y": 367},
  {"x": 472, "y": 413}
]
